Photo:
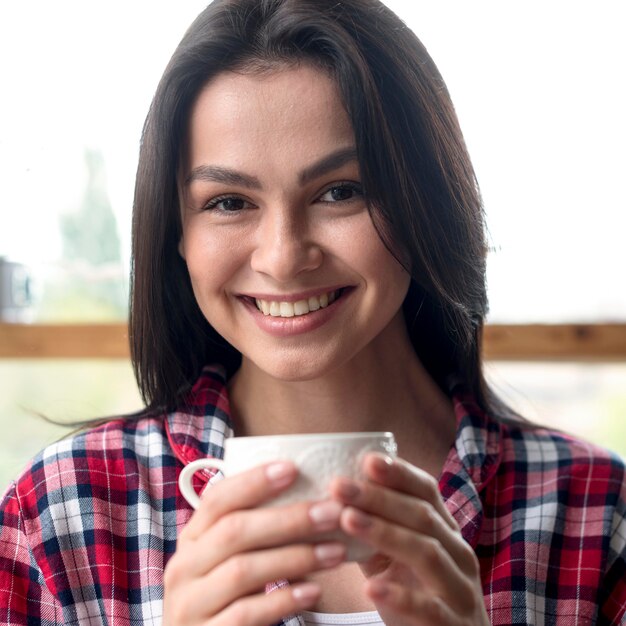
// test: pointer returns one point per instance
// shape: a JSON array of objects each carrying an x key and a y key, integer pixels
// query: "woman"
[{"x": 309, "y": 255}]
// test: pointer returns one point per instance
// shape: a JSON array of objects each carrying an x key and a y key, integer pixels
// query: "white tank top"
[{"x": 371, "y": 618}]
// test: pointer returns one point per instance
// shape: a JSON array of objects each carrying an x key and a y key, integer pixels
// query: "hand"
[
  {"x": 230, "y": 550},
  {"x": 423, "y": 573}
]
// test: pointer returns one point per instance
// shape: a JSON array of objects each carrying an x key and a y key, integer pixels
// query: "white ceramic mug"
[{"x": 319, "y": 457}]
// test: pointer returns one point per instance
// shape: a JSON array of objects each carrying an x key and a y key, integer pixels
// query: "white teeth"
[
  {"x": 293, "y": 309},
  {"x": 314, "y": 303},
  {"x": 262, "y": 305},
  {"x": 301, "y": 307},
  {"x": 286, "y": 309}
]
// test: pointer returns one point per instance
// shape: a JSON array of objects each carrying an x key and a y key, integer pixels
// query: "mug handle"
[{"x": 185, "y": 480}]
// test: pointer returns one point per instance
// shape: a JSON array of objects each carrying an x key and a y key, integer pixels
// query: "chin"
[{"x": 294, "y": 369}]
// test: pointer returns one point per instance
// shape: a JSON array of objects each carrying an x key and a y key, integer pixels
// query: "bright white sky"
[{"x": 539, "y": 87}]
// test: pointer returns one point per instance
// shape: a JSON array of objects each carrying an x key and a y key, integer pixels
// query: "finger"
[
  {"x": 248, "y": 573},
  {"x": 406, "y": 478},
  {"x": 265, "y": 609},
  {"x": 242, "y": 491},
  {"x": 244, "y": 531},
  {"x": 415, "y": 606},
  {"x": 405, "y": 510},
  {"x": 425, "y": 555}
]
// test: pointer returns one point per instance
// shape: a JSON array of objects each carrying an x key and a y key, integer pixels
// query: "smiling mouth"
[{"x": 274, "y": 308}]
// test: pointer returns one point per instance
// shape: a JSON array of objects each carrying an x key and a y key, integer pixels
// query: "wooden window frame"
[{"x": 502, "y": 342}]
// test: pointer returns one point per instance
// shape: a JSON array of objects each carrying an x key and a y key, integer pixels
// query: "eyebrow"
[
  {"x": 327, "y": 164},
  {"x": 216, "y": 174}
]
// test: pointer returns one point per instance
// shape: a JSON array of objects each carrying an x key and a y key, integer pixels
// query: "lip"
[{"x": 297, "y": 325}]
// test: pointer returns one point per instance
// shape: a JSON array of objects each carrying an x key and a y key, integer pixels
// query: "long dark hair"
[{"x": 417, "y": 176}]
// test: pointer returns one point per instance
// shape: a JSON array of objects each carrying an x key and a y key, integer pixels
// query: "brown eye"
[
  {"x": 227, "y": 204},
  {"x": 232, "y": 204},
  {"x": 341, "y": 193}
]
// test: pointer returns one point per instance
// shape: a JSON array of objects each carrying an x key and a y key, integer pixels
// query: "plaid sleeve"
[
  {"x": 24, "y": 596},
  {"x": 613, "y": 591}
]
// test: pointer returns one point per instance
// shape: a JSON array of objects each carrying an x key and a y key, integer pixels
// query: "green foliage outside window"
[{"x": 91, "y": 283}]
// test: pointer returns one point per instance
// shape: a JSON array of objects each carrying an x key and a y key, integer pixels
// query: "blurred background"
[{"x": 540, "y": 92}]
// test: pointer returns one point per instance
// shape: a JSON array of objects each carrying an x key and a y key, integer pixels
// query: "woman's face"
[{"x": 282, "y": 253}]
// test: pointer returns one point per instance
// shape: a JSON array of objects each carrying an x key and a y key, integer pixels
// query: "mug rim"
[{"x": 323, "y": 435}]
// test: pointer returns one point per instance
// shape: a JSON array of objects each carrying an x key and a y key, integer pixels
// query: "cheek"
[
  {"x": 377, "y": 263},
  {"x": 209, "y": 259}
]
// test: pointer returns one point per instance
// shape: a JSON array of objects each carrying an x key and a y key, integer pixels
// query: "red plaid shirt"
[{"x": 87, "y": 529}]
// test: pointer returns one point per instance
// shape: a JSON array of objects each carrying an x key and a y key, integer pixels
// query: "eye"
[
  {"x": 341, "y": 192},
  {"x": 227, "y": 204}
]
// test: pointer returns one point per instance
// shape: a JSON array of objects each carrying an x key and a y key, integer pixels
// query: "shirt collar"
[
  {"x": 198, "y": 428},
  {"x": 472, "y": 463}
]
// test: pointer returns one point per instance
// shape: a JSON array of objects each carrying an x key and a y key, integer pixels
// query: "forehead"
[{"x": 286, "y": 106}]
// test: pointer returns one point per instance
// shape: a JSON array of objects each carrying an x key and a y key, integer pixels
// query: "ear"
[{"x": 181, "y": 248}]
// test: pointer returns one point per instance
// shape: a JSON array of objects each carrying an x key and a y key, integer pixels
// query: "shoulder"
[
  {"x": 106, "y": 456},
  {"x": 536, "y": 445},
  {"x": 569, "y": 468},
  {"x": 112, "y": 441}
]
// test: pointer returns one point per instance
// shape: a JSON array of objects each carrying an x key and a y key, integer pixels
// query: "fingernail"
[
  {"x": 280, "y": 474},
  {"x": 348, "y": 490},
  {"x": 359, "y": 519},
  {"x": 329, "y": 554},
  {"x": 325, "y": 515},
  {"x": 306, "y": 593},
  {"x": 382, "y": 464}
]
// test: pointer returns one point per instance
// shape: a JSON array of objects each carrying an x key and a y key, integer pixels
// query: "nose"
[{"x": 284, "y": 245}]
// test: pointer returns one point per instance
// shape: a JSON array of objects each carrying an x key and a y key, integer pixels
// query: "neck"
[{"x": 384, "y": 388}]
